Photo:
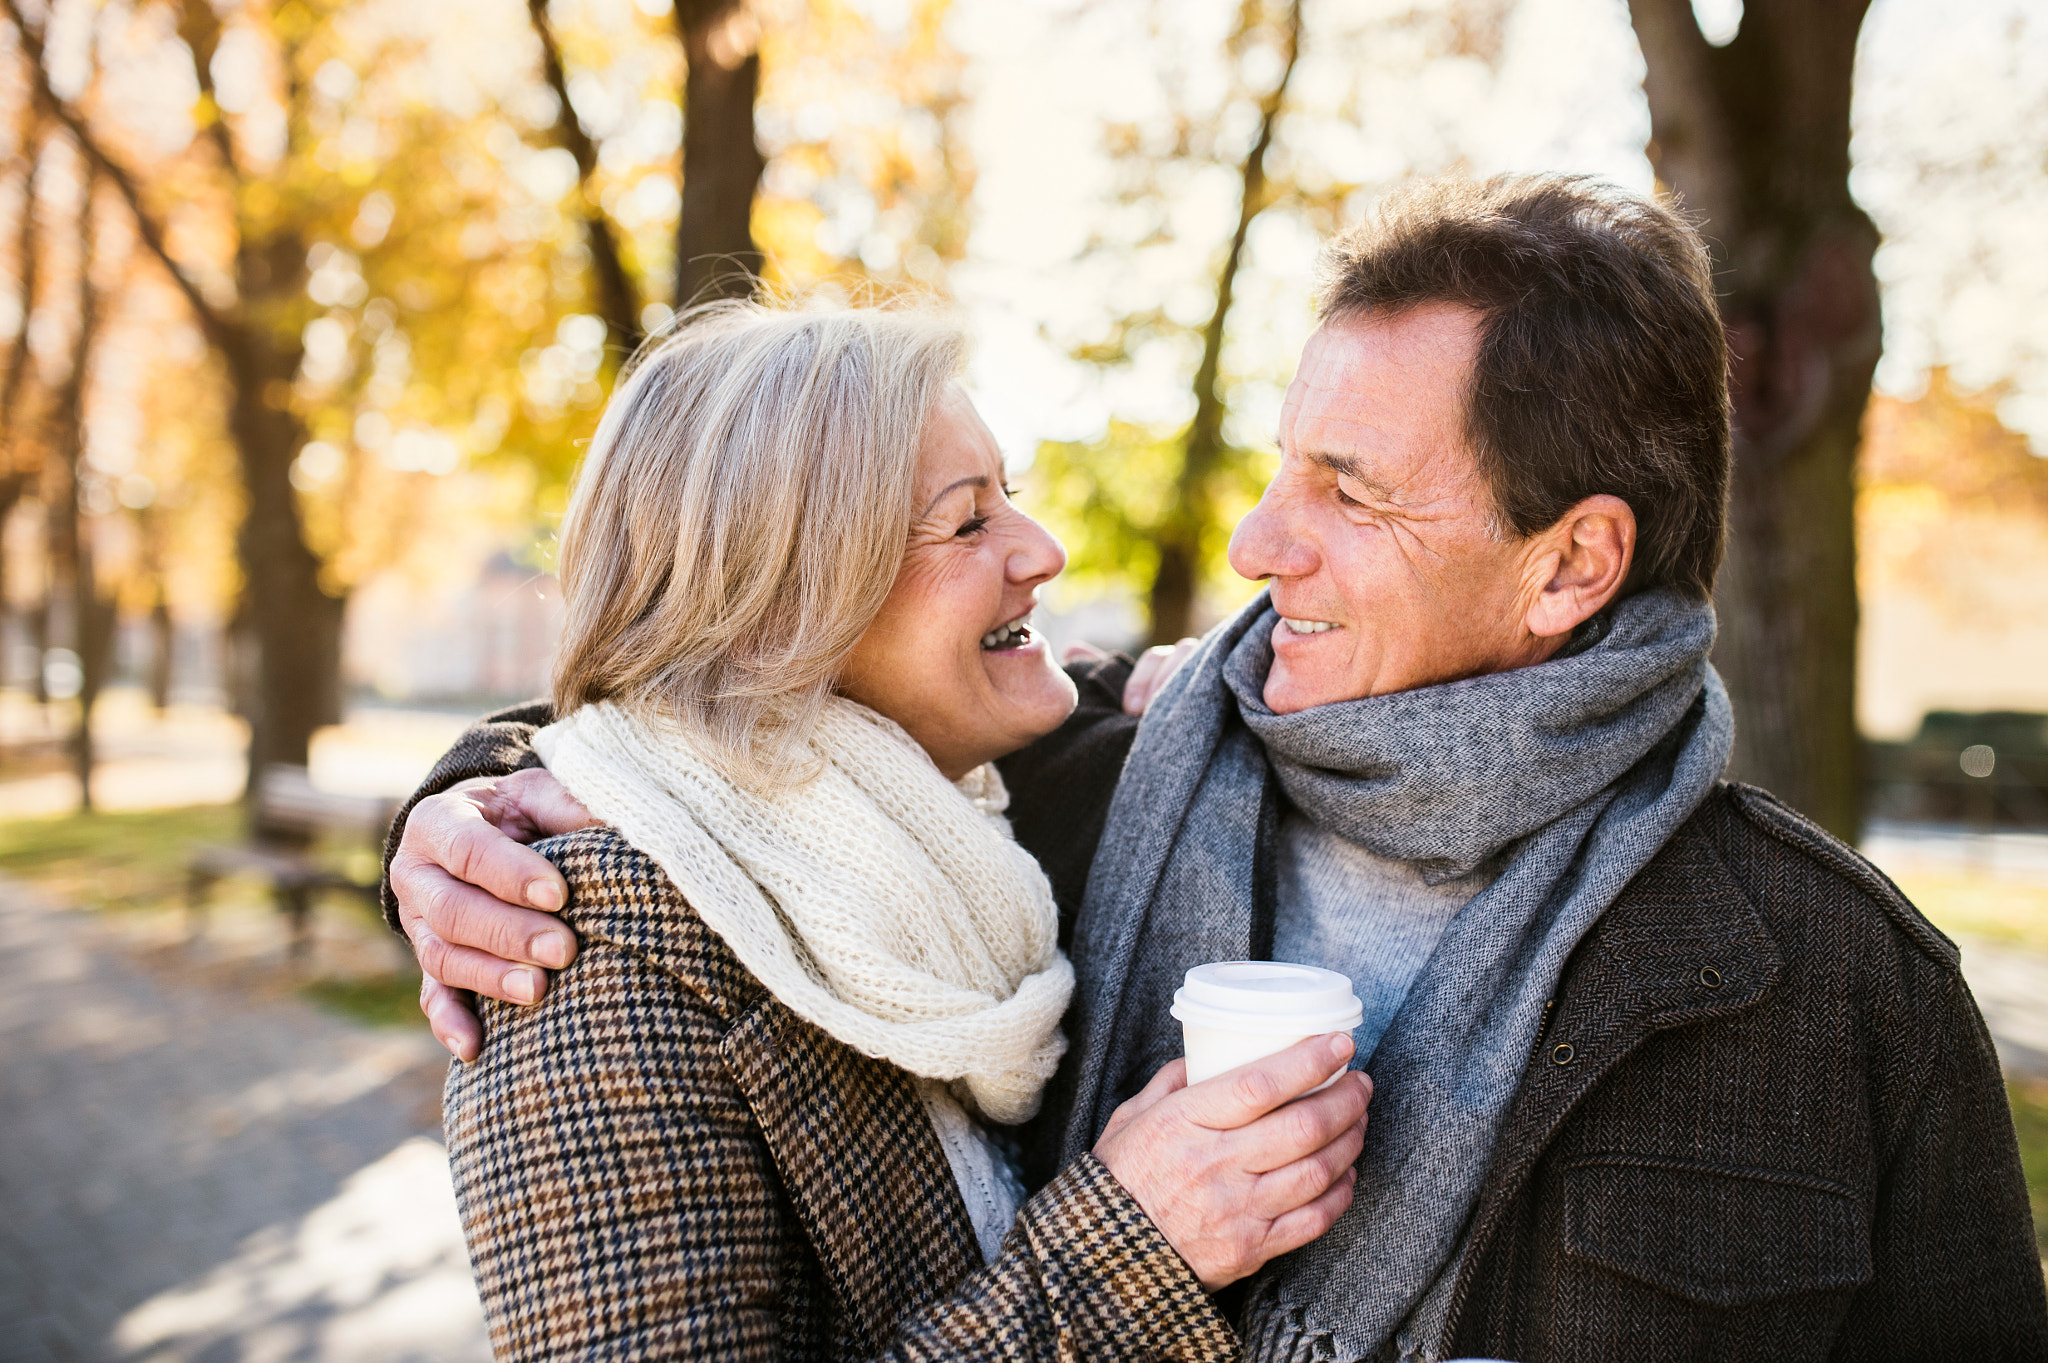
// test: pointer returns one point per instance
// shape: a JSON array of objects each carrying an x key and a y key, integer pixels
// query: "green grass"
[
  {"x": 136, "y": 861},
  {"x": 1980, "y": 905},
  {"x": 2030, "y": 1120},
  {"x": 382, "y": 1001},
  {"x": 115, "y": 861}
]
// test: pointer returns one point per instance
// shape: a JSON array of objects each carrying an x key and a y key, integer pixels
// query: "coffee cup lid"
[{"x": 1271, "y": 997}]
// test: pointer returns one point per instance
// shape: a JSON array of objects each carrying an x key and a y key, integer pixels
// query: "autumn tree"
[
  {"x": 245, "y": 311},
  {"x": 734, "y": 62},
  {"x": 1753, "y": 135}
]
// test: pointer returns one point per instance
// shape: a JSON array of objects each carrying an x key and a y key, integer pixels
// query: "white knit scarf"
[{"x": 877, "y": 901}]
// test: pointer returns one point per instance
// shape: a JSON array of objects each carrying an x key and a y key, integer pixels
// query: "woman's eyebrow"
[{"x": 978, "y": 480}]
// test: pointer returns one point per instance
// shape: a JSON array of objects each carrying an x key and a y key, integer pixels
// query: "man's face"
[{"x": 1377, "y": 534}]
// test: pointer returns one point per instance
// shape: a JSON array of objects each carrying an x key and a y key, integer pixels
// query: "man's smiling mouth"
[
  {"x": 1307, "y": 626},
  {"x": 1016, "y": 634}
]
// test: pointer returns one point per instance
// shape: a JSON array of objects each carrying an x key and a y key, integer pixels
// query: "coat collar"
[
  {"x": 861, "y": 1164},
  {"x": 1682, "y": 944}
]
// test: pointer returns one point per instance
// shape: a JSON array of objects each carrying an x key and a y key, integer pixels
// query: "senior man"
[{"x": 1662, "y": 1070}]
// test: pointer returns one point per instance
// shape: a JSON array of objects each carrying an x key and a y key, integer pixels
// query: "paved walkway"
[{"x": 195, "y": 1166}]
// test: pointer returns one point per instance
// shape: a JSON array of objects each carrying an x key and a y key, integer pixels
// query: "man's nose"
[{"x": 1270, "y": 541}]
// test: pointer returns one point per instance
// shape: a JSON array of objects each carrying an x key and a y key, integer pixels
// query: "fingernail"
[
  {"x": 523, "y": 986},
  {"x": 454, "y": 1048},
  {"x": 1340, "y": 1045},
  {"x": 545, "y": 895},
  {"x": 551, "y": 949}
]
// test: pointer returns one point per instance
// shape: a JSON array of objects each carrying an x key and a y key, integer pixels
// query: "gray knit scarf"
[{"x": 1568, "y": 775}]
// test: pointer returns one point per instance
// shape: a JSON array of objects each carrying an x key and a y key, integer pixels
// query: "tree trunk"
[
  {"x": 89, "y": 616},
  {"x": 722, "y": 163},
  {"x": 163, "y": 639},
  {"x": 295, "y": 626},
  {"x": 1754, "y": 138},
  {"x": 1176, "y": 582}
]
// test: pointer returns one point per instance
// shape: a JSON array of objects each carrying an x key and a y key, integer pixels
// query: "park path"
[{"x": 196, "y": 1167}]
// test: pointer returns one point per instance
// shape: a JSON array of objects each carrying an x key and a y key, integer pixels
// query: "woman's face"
[{"x": 952, "y": 657}]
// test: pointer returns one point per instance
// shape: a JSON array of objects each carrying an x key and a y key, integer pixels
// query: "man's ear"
[{"x": 1587, "y": 554}]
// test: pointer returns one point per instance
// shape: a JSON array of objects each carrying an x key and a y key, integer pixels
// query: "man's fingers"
[
  {"x": 533, "y": 804},
  {"x": 1143, "y": 679},
  {"x": 451, "y": 831},
  {"x": 1247, "y": 1093},
  {"x": 467, "y": 916},
  {"x": 466, "y": 968},
  {"x": 448, "y": 1013},
  {"x": 1155, "y": 667},
  {"x": 1080, "y": 652},
  {"x": 1296, "y": 1228},
  {"x": 1292, "y": 1185},
  {"x": 1305, "y": 1127},
  {"x": 1171, "y": 1078}
]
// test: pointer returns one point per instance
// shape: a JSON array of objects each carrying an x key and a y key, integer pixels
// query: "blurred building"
[{"x": 468, "y": 641}]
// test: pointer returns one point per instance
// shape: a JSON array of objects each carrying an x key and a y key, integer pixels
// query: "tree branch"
[
  {"x": 199, "y": 26},
  {"x": 617, "y": 296},
  {"x": 219, "y": 326}
]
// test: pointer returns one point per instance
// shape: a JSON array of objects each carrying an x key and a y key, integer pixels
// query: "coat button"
[
  {"x": 1562, "y": 1054},
  {"x": 1710, "y": 977}
]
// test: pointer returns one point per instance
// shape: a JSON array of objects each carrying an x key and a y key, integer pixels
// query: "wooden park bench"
[{"x": 289, "y": 816}]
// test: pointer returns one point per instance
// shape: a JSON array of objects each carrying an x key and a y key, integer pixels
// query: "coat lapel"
[
  {"x": 1681, "y": 945},
  {"x": 861, "y": 1164}
]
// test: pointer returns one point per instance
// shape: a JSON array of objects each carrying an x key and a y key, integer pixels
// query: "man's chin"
[{"x": 1285, "y": 694}]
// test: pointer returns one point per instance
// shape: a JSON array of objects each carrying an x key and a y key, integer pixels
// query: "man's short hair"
[{"x": 1602, "y": 366}]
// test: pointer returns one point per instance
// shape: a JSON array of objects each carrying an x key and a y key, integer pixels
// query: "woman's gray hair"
[{"x": 741, "y": 515}]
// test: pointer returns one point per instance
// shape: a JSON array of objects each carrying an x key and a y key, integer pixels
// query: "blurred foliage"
[
  {"x": 1183, "y": 175},
  {"x": 1952, "y": 505},
  {"x": 1106, "y": 498},
  {"x": 420, "y": 240}
]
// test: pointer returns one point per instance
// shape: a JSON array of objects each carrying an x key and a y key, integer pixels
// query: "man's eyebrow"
[
  {"x": 1337, "y": 463},
  {"x": 978, "y": 480}
]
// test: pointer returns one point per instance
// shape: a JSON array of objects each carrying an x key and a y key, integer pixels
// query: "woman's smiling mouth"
[{"x": 1014, "y": 635}]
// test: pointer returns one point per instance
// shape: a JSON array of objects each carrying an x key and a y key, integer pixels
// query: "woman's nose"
[{"x": 1037, "y": 556}]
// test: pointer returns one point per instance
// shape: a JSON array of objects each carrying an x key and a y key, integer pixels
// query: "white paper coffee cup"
[{"x": 1233, "y": 1012}]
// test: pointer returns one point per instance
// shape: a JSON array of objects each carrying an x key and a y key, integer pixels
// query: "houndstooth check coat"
[{"x": 662, "y": 1161}]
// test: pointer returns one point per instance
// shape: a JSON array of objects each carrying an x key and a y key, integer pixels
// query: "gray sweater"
[{"x": 1366, "y": 916}]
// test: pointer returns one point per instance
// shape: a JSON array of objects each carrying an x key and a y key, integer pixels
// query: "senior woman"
[{"x": 760, "y": 1115}]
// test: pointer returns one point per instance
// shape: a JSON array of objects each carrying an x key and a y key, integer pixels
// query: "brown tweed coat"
[{"x": 662, "y": 1161}]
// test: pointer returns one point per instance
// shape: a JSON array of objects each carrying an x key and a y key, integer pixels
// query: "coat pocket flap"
[{"x": 1715, "y": 1235}]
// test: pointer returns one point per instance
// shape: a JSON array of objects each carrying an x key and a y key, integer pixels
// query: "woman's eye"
[{"x": 973, "y": 527}]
